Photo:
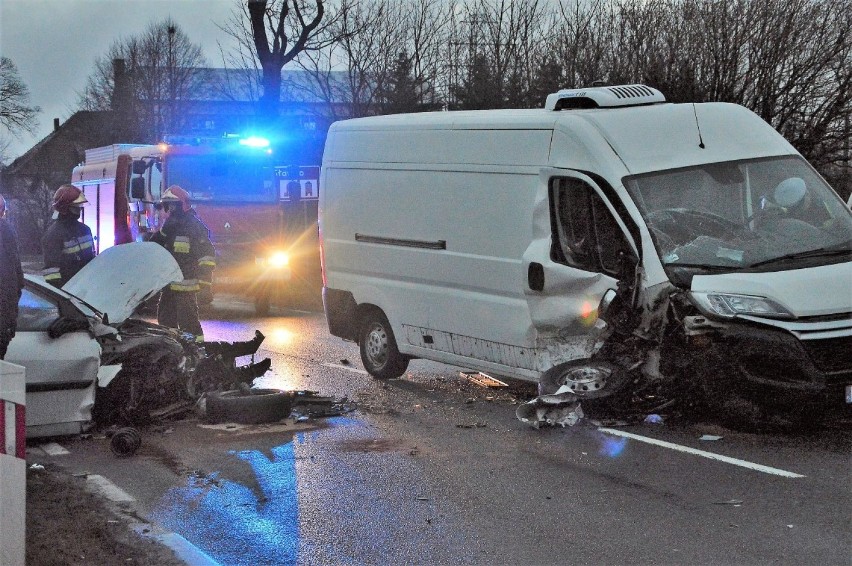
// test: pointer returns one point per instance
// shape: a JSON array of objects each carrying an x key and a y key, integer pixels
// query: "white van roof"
[{"x": 644, "y": 138}]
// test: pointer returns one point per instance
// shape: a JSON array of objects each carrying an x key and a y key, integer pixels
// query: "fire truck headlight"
[{"x": 278, "y": 260}]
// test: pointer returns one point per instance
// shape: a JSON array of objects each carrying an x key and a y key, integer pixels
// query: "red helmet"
[
  {"x": 176, "y": 194},
  {"x": 67, "y": 196}
]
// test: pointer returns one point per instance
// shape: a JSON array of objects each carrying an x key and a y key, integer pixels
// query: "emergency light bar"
[{"x": 255, "y": 141}]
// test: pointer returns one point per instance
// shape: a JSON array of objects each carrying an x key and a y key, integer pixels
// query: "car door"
[
  {"x": 61, "y": 373},
  {"x": 576, "y": 255}
]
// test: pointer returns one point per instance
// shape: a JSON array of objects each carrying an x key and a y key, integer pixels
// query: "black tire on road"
[
  {"x": 379, "y": 352},
  {"x": 255, "y": 406}
]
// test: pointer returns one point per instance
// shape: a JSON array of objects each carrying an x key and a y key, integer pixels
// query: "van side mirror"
[
  {"x": 139, "y": 167},
  {"x": 137, "y": 188}
]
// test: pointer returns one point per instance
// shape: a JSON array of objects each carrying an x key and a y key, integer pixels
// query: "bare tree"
[
  {"x": 162, "y": 69},
  {"x": 17, "y": 115},
  {"x": 281, "y": 29}
]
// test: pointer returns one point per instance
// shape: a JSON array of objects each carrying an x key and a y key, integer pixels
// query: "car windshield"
[{"x": 743, "y": 214}]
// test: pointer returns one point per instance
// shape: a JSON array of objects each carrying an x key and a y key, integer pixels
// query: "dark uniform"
[
  {"x": 11, "y": 283},
  {"x": 67, "y": 247},
  {"x": 188, "y": 240}
]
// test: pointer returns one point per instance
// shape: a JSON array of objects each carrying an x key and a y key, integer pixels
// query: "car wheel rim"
[
  {"x": 376, "y": 346},
  {"x": 583, "y": 380}
]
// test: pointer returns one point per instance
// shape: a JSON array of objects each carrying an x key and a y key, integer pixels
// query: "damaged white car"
[{"x": 88, "y": 360}]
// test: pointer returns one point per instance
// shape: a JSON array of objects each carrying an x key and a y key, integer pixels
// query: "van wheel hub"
[
  {"x": 585, "y": 379},
  {"x": 377, "y": 345}
]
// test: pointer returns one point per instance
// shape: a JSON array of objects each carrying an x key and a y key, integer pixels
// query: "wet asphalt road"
[{"x": 430, "y": 469}]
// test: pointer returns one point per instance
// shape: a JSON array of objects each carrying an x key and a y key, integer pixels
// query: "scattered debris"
[
  {"x": 482, "y": 379},
  {"x": 125, "y": 441},
  {"x": 561, "y": 408},
  {"x": 422, "y": 498},
  {"x": 37, "y": 467},
  {"x": 710, "y": 437},
  {"x": 345, "y": 362},
  {"x": 608, "y": 422},
  {"x": 734, "y": 502},
  {"x": 653, "y": 419},
  {"x": 472, "y": 425},
  {"x": 310, "y": 404}
]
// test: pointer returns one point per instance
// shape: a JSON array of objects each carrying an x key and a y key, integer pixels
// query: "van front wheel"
[{"x": 379, "y": 352}]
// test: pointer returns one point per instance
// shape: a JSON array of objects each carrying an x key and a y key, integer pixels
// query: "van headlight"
[{"x": 727, "y": 305}]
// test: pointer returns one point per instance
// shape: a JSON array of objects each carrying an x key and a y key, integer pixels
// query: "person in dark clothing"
[
  {"x": 11, "y": 280},
  {"x": 188, "y": 240},
  {"x": 67, "y": 244}
]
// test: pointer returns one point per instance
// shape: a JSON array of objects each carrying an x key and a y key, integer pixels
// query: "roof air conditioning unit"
[{"x": 603, "y": 97}]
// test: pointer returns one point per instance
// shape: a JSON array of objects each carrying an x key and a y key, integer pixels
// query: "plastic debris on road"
[
  {"x": 482, "y": 379},
  {"x": 710, "y": 437},
  {"x": 654, "y": 419},
  {"x": 561, "y": 408}
]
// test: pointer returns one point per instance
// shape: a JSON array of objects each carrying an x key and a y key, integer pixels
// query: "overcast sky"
[{"x": 54, "y": 43}]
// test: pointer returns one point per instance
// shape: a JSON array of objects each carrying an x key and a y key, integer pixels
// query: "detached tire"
[
  {"x": 255, "y": 406},
  {"x": 598, "y": 385},
  {"x": 379, "y": 352}
]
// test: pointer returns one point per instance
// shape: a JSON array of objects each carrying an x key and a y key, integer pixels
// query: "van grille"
[
  {"x": 831, "y": 355},
  {"x": 633, "y": 91}
]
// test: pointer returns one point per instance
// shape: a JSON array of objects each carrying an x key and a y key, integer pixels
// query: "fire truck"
[{"x": 261, "y": 214}]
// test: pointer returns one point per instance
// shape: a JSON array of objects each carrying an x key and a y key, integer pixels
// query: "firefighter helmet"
[
  {"x": 67, "y": 196},
  {"x": 176, "y": 194}
]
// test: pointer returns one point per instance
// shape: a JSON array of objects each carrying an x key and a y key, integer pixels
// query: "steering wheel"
[{"x": 664, "y": 222}]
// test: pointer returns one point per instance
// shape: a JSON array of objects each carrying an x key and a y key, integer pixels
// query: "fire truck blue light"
[{"x": 255, "y": 141}]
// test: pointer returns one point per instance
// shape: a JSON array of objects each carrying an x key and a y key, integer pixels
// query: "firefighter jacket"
[
  {"x": 188, "y": 240},
  {"x": 11, "y": 282},
  {"x": 68, "y": 246}
]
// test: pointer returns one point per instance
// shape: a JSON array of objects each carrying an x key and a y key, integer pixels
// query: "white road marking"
[
  {"x": 702, "y": 453},
  {"x": 347, "y": 368},
  {"x": 186, "y": 551},
  {"x": 54, "y": 449},
  {"x": 109, "y": 489}
]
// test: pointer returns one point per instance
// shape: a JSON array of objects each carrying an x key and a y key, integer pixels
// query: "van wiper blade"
[
  {"x": 829, "y": 251},
  {"x": 703, "y": 266}
]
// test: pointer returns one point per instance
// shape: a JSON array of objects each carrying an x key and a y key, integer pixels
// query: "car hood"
[
  {"x": 122, "y": 277},
  {"x": 813, "y": 291}
]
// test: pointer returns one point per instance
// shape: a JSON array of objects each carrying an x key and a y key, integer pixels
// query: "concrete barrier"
[{"x": 13, "y": 465}]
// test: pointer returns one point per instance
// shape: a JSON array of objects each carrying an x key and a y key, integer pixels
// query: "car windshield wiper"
[
  {"x": 828, "y": 251},
  {"x": 703, "y": 266}
]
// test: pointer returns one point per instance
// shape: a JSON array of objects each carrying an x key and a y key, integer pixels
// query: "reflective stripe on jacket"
[{"x": 68, "y": 246}]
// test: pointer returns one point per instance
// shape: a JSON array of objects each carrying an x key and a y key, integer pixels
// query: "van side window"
[{"x": 585, "y": 234}]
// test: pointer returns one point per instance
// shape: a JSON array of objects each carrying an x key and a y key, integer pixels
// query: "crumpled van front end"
[{"x": 759, "y": 253}]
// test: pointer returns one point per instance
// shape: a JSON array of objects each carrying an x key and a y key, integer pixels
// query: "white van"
[{"x": 487, "y": 240}]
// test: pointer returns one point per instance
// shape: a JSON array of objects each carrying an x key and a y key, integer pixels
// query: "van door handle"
[{"x": 535, "y": 276}]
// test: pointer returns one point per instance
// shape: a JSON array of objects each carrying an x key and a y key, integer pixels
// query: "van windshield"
[{"x": 772, "y": 213}]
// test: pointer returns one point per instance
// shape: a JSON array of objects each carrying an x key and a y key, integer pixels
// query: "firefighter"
[
  {"x": 188, "y": 240},
  {"x": 11, "y": 281},
  {"x": 67, "y": 244}
]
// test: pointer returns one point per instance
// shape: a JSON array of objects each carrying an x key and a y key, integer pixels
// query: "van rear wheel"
[{"x": 379, "y": 352}]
